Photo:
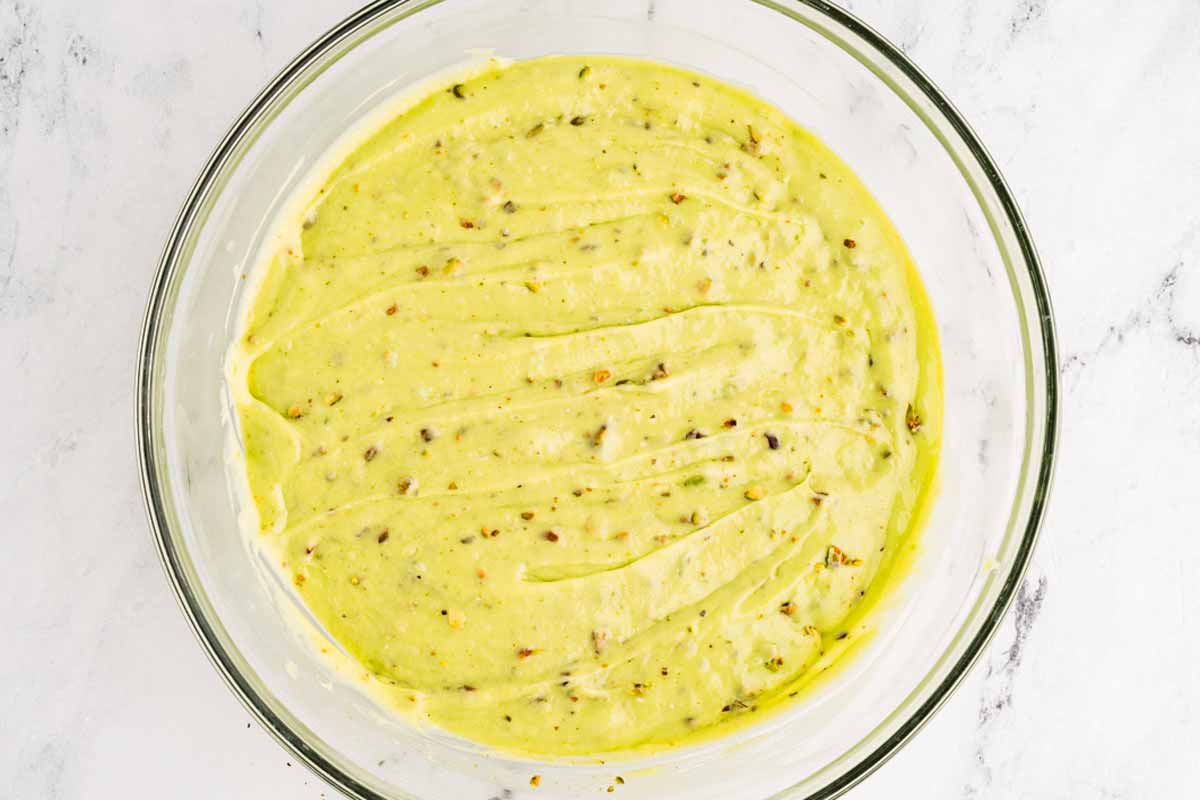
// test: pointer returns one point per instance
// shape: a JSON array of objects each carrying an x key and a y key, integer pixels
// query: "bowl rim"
[{"x": 258, "y": 109}]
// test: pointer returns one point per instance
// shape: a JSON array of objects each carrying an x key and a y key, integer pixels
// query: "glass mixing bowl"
[{"x": 832, "y": 74}]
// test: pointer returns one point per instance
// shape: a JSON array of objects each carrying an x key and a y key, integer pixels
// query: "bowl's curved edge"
[
  {"x": 152, "y": 490},
  {"x": 1008, "y": 591}
]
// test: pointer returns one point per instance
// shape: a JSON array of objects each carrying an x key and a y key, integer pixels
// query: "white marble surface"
[{"x": 1091, "y": 107}]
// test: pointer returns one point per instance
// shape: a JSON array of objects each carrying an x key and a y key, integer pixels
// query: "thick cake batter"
[{"x": 591, "y": 400}]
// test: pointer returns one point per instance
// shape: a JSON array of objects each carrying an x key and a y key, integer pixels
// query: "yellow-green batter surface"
[{"x": 592, "y": 399}]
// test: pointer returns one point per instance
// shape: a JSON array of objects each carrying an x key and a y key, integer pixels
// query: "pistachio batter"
[{"x": 591, "y": 401}]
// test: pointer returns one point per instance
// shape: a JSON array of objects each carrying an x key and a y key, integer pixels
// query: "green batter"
[{"x": 590, "y": 404}]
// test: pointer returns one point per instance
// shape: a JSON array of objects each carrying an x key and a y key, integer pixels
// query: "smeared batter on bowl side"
[{"x": 593, "y": 400}]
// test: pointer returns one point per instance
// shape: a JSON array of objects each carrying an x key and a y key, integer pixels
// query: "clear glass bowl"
[{"x": 886, "y": 120}]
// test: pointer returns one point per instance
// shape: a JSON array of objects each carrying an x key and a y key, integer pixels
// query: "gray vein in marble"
[
  {"x": 8, "y": 246},
  {"x": 78, "y": 49},
  {"x": 252, "y": 18},
  {"x": 999, "y": 679},
  {"x": 1158, "y": 307},
  {"x": 1027, "y": 12},
  {"x": 1181, "y": 333},
  {"x": 20, "y": 57},
  {"x": 1025, "y": 612},
  {"x": 18, "y": 53},
  {"x": 976, "y": 244},
  {"x": 51, "y": 77}
]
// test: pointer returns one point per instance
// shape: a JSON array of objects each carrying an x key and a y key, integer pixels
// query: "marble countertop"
[{"x": 1092, "y": 109}]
